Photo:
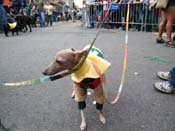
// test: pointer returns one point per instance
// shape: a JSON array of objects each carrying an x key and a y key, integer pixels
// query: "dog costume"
[
  {"x": 90, "y": 75},
  {"x": 12, "y": 25}
]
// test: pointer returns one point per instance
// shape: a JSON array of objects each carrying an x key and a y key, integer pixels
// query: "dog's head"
[{"x": 64, "y": 60}]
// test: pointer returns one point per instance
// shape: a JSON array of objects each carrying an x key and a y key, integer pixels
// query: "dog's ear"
[{"x": 73, "y": 49}]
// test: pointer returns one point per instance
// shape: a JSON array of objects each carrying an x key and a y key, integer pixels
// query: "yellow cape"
[{"x": 88, "y": 71}]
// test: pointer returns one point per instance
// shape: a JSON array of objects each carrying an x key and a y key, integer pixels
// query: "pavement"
[{"x": 49, "y": 107}]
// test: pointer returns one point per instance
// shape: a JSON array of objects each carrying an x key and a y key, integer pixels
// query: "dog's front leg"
[
  {"x": 102, "y": 118},
  {"x": 83, "y": 121},
  {"x": 99, "y": 96},
  {"x": 80, "y": 96}
]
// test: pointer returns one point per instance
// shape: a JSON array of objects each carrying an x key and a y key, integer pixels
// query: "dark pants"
[
  {"x": 50, "y": 20},
  {"x": 3, "y": 18},
  {"x": 91, "y": 16},
  {"x": 172, "y": 74}
]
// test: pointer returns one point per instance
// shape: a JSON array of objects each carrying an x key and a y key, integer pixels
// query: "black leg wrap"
[
  {"x": 81, "y": 105},
  {"x": 99, "y": 106}
]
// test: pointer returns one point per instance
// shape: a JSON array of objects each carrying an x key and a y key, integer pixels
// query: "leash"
[
  {"x": 124, "y": 64},
  {"x": 125, "y": 58},
  {"x": 43, "y": 80}
]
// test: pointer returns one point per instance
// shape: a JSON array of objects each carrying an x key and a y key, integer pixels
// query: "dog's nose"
[{"x": 44, "y": 72}]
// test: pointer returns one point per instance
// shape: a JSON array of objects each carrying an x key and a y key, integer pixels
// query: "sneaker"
[
  {"x": 170, "y": 44},
  {"x": 160, "y": 41},
  {"x": 164, "y": 87},
  {"x": 163, "y": 75}
]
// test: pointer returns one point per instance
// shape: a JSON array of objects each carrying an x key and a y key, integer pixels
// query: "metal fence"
[{"x": 141, "y": 18}]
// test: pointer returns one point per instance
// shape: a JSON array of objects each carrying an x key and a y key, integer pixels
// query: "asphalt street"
[{"x": 49, "y": 107}]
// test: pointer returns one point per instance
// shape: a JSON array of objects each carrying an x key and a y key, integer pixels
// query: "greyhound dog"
[{"x": 89, "y": 75}]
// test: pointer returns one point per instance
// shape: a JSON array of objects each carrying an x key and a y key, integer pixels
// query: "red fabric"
[{"x": 94, "y": 84}]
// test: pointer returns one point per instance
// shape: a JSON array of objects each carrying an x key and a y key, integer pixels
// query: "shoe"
[
  {"x": 160, "y": 41},
  {"x": 164, "y": 87},
  {"x": 163, "y": 75},
  {"x": 170, "y": 44}
]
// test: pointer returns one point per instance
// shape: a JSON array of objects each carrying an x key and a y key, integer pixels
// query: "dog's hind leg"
[
  {"x": 73, "y": 94},
  {"x": 30, "y": 27}
]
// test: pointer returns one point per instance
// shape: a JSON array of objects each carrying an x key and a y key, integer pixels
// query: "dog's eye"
[{"x": 58, "y": 62}]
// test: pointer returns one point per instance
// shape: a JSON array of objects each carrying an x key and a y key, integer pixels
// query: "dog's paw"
[
  {"x": 83, "y": 126},
  {"x": 102, "y": 119}
]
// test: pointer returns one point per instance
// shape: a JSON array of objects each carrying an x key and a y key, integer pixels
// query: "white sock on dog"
[
  {"x": 73, "y": 94},
  {"x": 83, "y": 121},
  {"x": 102, "y": 118}
]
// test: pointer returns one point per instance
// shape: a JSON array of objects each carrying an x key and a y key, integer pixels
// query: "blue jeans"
[
  {"x": 3, "y": 17},
  {"x": 91, "y": 20},
  {"x": 42, "y": 18},
  {"x": 172, "y": 74},
  {"x": 91, "y": 16}
]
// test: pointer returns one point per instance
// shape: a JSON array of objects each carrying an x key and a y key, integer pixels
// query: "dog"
[
  {"x": 25, "y": 21},
  {"x": 89, "y": 75},
  {"x": 13, "y": 27}
]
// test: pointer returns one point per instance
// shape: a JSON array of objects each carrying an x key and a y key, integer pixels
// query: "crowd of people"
[
  {"x": 143, "y": 14},
  {"x": 45, "y": 13}
]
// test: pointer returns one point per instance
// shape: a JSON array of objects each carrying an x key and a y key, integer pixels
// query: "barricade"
[{"x": 141, "y": 18}]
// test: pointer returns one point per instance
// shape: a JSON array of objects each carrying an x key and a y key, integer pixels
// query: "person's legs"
[
  {"x": 51, "y": 20},
  {"x": 170, "y": 15},
  {"x": 172, "y": 77},
  {"x": 161, "y": 28},
  {"x": 3, "y": 18},
  {"x": 91, "y": 17},
  {"x": 42, "y": 19},
  {"x": 167, "y": 86}
]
